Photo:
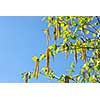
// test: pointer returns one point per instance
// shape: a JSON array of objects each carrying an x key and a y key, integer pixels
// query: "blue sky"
[{"x": 20, "y": 39}]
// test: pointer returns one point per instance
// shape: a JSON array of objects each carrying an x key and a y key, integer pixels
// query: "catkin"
[
  {"x": 57, "y": 31},
  {"x": 75, "y": 54},
  {"x": 47, "y": 59},
  {"x": 48, "y": 35},
  {"x": 36, "y": 69},
  {"x": 84, "y": 53},
  {"x": 55, "y": 37},
  {"x": 67, "y": 53}
]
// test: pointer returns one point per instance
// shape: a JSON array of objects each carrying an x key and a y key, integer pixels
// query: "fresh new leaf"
[
  {"x": 42, "y": 56},
  {"x": 34, "y": 58}
]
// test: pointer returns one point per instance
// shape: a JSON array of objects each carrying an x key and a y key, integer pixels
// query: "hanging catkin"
[
  {"x": 48, "y": 35},
  {"x": 58, "y": 31},
  {"x": 84, "y": 52},
  {"x": 47, "y": 59},
  {"x": 67, "y": 53},
  {"x": 36, "y": 69},
  {"x": 55, "y": 37},
  {"x": 37, "y": 72},
  {"x": 75, "y": 54}
]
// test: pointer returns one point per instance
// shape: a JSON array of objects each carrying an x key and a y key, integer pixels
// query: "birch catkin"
[
  {"x": 57, "y": 31},
  {"x": 55, "y": 37},
  {"x": 58, "y": 34},
  {"x": 36, "y": 69},
  {"x": 67, "y": 53},
  {"x": 47, "y": 59},
  {"x": 48, "y": 35},
  {"x": 84, "y": 53},
  {"x": 75, "y": 54}
]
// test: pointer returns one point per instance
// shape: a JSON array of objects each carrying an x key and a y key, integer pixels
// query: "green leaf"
[
  {"x": 61, "y": 81},
  {"x": 94, "y": 34},
  {"x": 42, "y": 56},
  {"x": 51, "y": 53},
  {"x": 98, "y": 67},
  {"x": 82, "y": 69},
  {"x": 51, "y": 47},
  {"x": 92, "y": 78},
  {"x": 22, "y": 76},
  {"x": 83, "y": 81},
  {"x": 77, "y": 77},
  {"x": 43, "y": 69},
  {"x": 86, "y": 67},
  {"x": 58, "y": 50},
  {"x": 90, "y": 70},
  {"x": 87, "y": 32},
  {"x": 31, "y": 76},
  {"x": 72, "y": 65},
  {"x": 61, "y": 77},
  {"x": 70, "y": 72},
  {"x": 95, "y": 67},
  {"x": 74, "y": 36},
  {"x": 98, "y": 30},
  {"x": 34, "y": 58},
  {"x": 55, "y": 47},
  {"x": 51, "y": 76},
  {"x": 45, "y": 30}
]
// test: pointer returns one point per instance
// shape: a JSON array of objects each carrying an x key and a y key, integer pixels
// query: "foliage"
[{"x": 78, "y": 35}]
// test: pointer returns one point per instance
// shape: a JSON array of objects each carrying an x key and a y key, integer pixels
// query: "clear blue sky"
[{"x": 20, "y": 39}]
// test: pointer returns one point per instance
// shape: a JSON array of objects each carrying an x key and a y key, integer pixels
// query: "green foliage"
[
  {"x": 26, "y": 76},
  {"x": 34, "y": 58},
  {"x": 77, "y": 35},
  {"x": 42, "y": 56}
]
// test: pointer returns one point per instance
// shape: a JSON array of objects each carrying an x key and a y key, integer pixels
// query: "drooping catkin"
[
  {"x": 55, "y": 37},
  {"x": 47, "y": 59},
  {"x": 37, "y": 73},
  {"x": 48, "y": 35},
  {"x": 58, "y": 34},
  {"x": 67, "y": 53},
  {"x": 36, "y": 69},
  {"x": 84, "y": 53},
  {"x": 56, "y": 30},
  {"x": 59, "y": 30},
  {"x": 75, "y": 54}
]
